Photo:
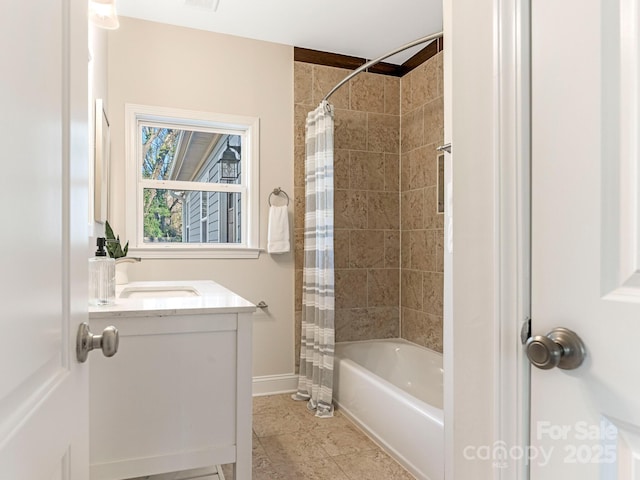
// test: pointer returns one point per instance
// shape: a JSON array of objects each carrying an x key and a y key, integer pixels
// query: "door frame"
[
  {"x": 513, "y": 239},
  {"x": 491, "y": 145}
]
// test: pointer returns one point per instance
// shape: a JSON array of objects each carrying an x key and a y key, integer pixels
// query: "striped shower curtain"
[{"x": 315, "y": 382}]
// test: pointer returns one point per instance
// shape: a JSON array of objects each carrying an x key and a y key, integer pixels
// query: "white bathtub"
[{"x": 392, "y": 389}]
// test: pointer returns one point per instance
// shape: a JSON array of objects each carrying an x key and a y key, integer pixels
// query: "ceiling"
[{"x": 360, "y": 28}]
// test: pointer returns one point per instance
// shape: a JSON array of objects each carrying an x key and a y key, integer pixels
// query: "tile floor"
[{"x": 289, "y": 443}]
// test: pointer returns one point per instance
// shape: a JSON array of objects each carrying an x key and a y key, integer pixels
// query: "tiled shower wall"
[
  {"x": 368, "y": 220},
  {"x": 422, "y": 233}
]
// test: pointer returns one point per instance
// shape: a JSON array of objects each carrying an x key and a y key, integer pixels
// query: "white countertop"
[{"x": 213, "y": 298}]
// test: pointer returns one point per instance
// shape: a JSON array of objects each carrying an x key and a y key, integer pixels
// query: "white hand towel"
[{"x": 278, "y": 234}]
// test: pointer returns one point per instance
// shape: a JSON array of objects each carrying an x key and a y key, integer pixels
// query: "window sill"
[{"x": 195, "y": 252}]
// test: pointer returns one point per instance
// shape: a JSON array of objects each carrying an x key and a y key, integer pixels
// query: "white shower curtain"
[{"x": 315, "y": 382}]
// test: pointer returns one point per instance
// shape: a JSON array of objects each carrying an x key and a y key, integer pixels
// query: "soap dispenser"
[{"x": 102, "y": 276}]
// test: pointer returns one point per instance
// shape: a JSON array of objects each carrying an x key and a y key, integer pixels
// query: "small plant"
[{"x": 114, "y": 248}]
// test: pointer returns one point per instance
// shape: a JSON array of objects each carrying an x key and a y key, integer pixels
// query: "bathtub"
[{"x": 392, "y": 389}]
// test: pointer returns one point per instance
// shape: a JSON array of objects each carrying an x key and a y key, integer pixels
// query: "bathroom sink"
[{"x": 140, "y": 291}]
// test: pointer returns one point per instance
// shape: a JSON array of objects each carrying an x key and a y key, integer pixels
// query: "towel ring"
[{"x": 277, "y": 192}]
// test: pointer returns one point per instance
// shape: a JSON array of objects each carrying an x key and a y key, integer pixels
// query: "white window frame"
[
  {"x": 204, "y": 219},
  {"x": 187, "y": 227},
  {"x": 246, "y": 127}
]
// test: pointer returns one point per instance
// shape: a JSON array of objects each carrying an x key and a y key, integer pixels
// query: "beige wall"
[
  {"x": 155, "y": 64},
  {"x": 473, "y": 344}
]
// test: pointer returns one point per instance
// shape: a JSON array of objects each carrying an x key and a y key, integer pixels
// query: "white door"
[
  {"x": 585, "y": 423},
  {"x": 43, "y": 244}
]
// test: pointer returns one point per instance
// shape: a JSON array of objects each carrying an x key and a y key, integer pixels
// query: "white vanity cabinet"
[{"x": 177, "y": 395}]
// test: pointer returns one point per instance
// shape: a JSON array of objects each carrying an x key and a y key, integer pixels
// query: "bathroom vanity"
[{"x": 177, "y": 395}]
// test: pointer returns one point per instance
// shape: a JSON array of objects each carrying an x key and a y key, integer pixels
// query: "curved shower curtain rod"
[{"x": 371, "y": 63}]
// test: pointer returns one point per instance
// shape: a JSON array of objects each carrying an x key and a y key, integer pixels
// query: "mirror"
[{"x": 101, "y": 164}]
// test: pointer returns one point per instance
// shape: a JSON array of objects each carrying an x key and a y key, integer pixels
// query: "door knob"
[
  {"x": 87, "y": 341},
  {"x": 560, "y": 348}
]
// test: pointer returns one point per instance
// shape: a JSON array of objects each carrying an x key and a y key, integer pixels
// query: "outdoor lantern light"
[{"x": 229, "y": 164}]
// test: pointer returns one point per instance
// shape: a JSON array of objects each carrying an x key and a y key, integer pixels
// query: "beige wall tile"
[
  {"x": 383, "y": 288},
  {"x": 422, "y": 328},
  {"x": 406, "y": 100},
  {"x": 352, "y": 324},
  {"x": 384, "y": 211},
  {"x": 413, "y": 205},
  {"x": 411, "y": 289},
  {"x": 298, "y": 165},
  {"x": 324, "y": 79},
  {"x": 401, "y": 157},
  {"x": 425, "y": 82},
  {"x": 433, "y": 285},
  {"x": 431, "y": 159},
  {"x": 298, "y": 207},
  {"x": 341, "y": 248},
  {"x": 405, "y": 172},
  {"x": 434, "y": 122},
  {"x": 432, "y": 219},
  {"x": 392, "y": 95},
  {"x": 405, "y": 249},
  {"x": 341, "y": 169},
  {"x": 439, "y": 238},
  {"x": 382, "y": 133},
  {"x": 367, "y": 323},
  {"x": 423, "y": 255},
  {"x": 434, "y": 332},
  {"x": 440, "y": 74},
  {"x": 350, "y": 130},
  {"x": 418, "y": 161},
  {"x": 351, "y": 288},
  {"x": 392, "y": 249},
  {"x": 422, "y": 243},
  {"x": 298, "y": 236},
  {"x": 350, "y": 209},
  {"x": 302, "y": 83},
  {"x": 391, "y": 172},
  {"x": 367, "y": 92},
  {"x": 342, "y": 325},
  {"x": 412, "y": 128},
  {"x": 366, "y": 170},
  {"x": 300, "y": 122},
  {"x": 413, "y": 323},
  {"x": 366, "y": 249},
  {"x": 385, "y": 321}
]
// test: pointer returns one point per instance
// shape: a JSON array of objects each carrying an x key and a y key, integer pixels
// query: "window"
[
  {"x": 204, "y": 216},
  {"x": 192, "y": 183},
  {"x": 187, "y": 228}
]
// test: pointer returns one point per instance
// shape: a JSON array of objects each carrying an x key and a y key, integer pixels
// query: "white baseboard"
[{"x": 273, "y": 384}]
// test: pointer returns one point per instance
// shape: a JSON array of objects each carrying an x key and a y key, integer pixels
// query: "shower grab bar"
[{"x": 371, "y": 63}]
